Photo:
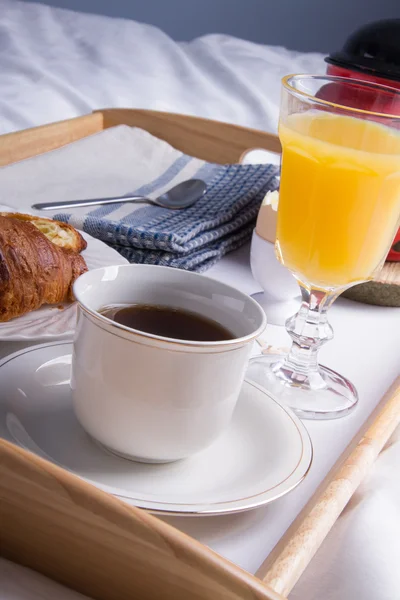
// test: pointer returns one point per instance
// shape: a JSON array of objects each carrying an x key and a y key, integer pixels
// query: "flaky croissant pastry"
[
  {"x": 61, "y": 234},
  {"x": 33, "y": 270}
]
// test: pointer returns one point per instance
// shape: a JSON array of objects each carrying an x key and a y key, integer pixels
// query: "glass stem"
[{"x": 309, "y": 330}]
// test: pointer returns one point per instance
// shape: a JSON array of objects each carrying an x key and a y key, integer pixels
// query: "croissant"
[
  {"x": 33, "y": 270},
  {"x": 61, "y": 234}
]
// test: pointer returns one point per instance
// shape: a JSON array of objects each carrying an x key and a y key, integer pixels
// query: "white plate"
[
  {"x": 265, "y": 452},
  {"x": 58, "y": 322}
]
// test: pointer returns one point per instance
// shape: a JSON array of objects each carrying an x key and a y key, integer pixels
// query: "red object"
[
  {"x": 364, "y": 76},
  {"x": 394, "y": 254},
  {"x": 370, "y": 54},
  {"x": 358, "y": 96}
]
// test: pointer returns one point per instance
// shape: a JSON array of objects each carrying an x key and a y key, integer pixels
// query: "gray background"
[{"x": 307, "y": 25}]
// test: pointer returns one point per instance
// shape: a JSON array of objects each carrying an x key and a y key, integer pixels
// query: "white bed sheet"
[{"x": 57, "y": 64}]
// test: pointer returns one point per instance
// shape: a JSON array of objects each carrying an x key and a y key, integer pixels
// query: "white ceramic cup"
[
  {"x": 281, "y": 296},
  {"x": 151, "y": 398}
]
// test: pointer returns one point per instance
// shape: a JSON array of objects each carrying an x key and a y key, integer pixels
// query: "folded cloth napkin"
[{"x": 129, "y": 160}]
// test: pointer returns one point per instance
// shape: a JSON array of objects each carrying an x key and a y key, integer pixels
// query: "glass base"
[{"x": 323, "y": 394}]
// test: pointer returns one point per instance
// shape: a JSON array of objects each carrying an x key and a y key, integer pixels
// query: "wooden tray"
[
  {"x": 55, "y": 523},
  {"x": 66, "y": 529},
  {"x": 211, "y": 140}
]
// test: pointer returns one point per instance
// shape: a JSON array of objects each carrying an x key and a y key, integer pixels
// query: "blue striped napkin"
[{"x": 193, "y": 238}]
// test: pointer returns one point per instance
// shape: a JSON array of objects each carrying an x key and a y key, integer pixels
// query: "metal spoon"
[{"x": 180, "y": 196}]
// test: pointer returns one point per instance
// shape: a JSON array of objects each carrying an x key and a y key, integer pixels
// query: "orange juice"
[{"x": 339, "y": 199}]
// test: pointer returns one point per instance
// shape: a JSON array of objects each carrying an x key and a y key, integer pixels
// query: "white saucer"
[
  {"x": 58, "y": 322},
  {"x": 265, "y": 452}
]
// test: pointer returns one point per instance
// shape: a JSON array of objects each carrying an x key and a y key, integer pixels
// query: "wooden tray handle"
[
  {"x": 211, "y": 140},
  {"x": 59, "y": 525},
  {"x": 290, "y": 557}
]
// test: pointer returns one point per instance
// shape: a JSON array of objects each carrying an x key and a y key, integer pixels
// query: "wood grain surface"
[
  {"x": 284, "y": 566},
  {"x": 31, "y": 142},
  {"x": 210, "y": 140},
  {"x": 68, "y": 530}
]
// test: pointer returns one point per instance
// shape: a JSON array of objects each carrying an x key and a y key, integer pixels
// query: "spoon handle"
[{"x": 89, "y": 202}]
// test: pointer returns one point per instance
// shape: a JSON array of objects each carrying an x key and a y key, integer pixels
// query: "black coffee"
[{"x": 168, "y": 322}]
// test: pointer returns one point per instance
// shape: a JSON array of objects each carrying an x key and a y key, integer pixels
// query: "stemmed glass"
[{"x": 339, "y": 209}]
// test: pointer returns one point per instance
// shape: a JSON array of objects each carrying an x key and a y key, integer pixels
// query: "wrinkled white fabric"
[
  {"x": 57, "y": 64},
  {"x": 361, "y": 556}
]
